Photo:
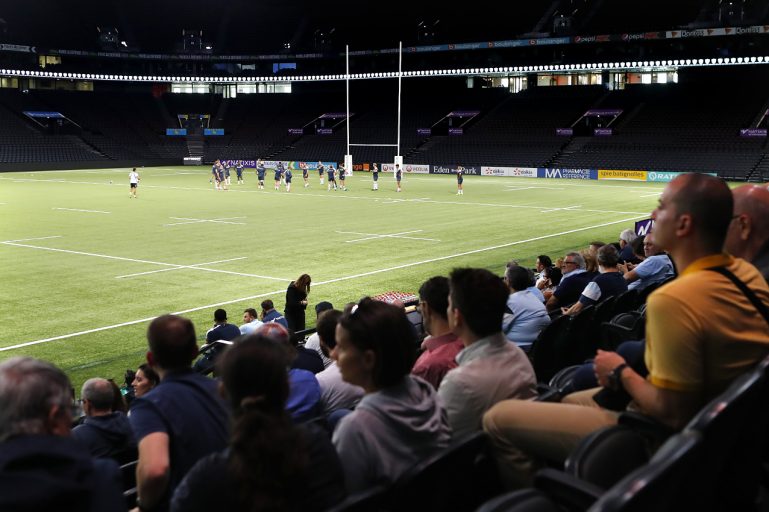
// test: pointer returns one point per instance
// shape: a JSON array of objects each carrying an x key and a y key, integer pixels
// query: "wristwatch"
[{"x": 615, "y": 377}]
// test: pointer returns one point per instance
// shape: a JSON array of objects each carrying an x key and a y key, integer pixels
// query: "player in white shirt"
[{"x": 133, "y": 180}]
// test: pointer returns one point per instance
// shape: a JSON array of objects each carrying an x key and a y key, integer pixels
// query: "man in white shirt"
[
  {"x": 133, "y": 180},
  {"x": 251, "y": 322}
]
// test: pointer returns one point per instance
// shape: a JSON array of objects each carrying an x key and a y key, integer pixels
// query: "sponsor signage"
[
  {"x": 642, "y": 227},
  {"x": 324, "y": 131},
  {"x": 361, "y": 167},
  {"x": 44, "y": 114},
  {"x": 456, "y": 131},
  {"x": 564, "y": 132},
  {"x": 521, "y": 172},
  {"x": 176, "y": 132},
  {"x": 440, "y": 169},
  {"x": 213, "y": 131},
  {"x": 464, "y": 113},
  {"x": 753, "y": 132},
  {"x": 661, "y": 176},
  {"x": 627, "y": 175},
  {"x": 424, "y": 131},
  {"x": 603, "y": 132},
  {"x": 407, "y": 168},
  {"x": 568, "y": 174},
  {"x": 594, "y": 112},
  {"x": 296, "y": 131}
]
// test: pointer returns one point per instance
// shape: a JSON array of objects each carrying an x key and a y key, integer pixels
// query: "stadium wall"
[{"x": 101, "y": 164}]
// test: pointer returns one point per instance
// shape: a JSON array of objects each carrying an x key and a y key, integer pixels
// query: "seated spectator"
[
  {"x": 593, "y": 247},
  {"x": 656, "y": 268},
  {"x": 313, "y": 342},
  {"x": 41, "y": 467},
  {"x": 591, "y": 262},
  {"x": 532, "y": 282},
  {"x": 574, "y": 280},
  {"x": 271, "y": 463},
  {"x": 552, "y": 278},
  {"x": 543, "y": 262},
  {"x": 702, "y": 332},
  {"x": 609, "y": 283},
  {"x": 220, "y": 331},
  {"x": 303, "y": 402},
  {"x": 748, "y": 235},
  {"x": 441, "y": 347},
  {"x": 490, "y": 368},
  {"x": 251, "y": 321},
  {"x": 626, "y": 254},
  {"x": 270, "y": 314},
  {"x": 528, "y": 315},
  {"x": 399, "y": 422},
  {"x": 145, "y": 379},
  {"x": 335, "y": 393},
  {"x": 104, "y": 432}
]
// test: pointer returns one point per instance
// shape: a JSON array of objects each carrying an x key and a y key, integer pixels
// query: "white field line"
[
  {"x": 330, "y": 281},
  {"x": 77, "y": 210},
  {"x": 372, "y": 236},
  {"x": 121, "y": 258},
  {"x": 656, "y": 194},
  {"x": 567, "y": 208},
  {"x": 365, "y": 198},
  {"x": 187, "y": 220},
  {"x": 170, "y": 269},
  {"x": 30, "y": 239}
]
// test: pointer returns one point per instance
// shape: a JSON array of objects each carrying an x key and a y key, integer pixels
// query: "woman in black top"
[{"x": 296, "y": 302}]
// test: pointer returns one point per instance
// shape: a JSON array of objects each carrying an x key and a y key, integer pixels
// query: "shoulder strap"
[{"x": 744, "y": 288}]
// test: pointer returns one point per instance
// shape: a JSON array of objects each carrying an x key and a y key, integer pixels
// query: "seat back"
[
  {"x": 544, "y": 352},
  {"x": 576, "y": 346},
  {"x": 666, "y": 483},
  {"x": 370, "y": 500},
  {"x": 607, "y": 455},
  {"x": 526, "y": 500},
  {"x": 445, "y": 481},
  {"x": 626, "y": 301}
]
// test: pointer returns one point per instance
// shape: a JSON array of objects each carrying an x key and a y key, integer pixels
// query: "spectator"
[
  {"x": 104, "y": 432},
  {"x": 304, "y": 398},
  {"x": 220, "y": 331},
  {"x": 41, "y": 466},
  {"x": 271, "y": 463},
  {"x": 531, "y": 283},
  {"x": 442, "y": 345},
  {"x": 180, "y": 421},
  {"x": 251, "y": 321},
  {"x": 701, "y": 333},
  {"x": 335, "y": 393},
  {"x": 748, "y": 235},
  {"x": 543, "y": 262},
  {"x": 270, "y": 314},
  {"x": 528, "y": 315},
  {"x": 313, "y": 342},
  {"x": 608, "y": 283},
  {"x": 399, "y": 421},
  {"x": 552, "y": 278},
  {"x": 626, "y": 238},
  {"x": 574, "y": 280},
  {"x": 296, "y": 302},
  {"x": 490, "y": 368},
  {"x": 655, "y": 268},
  {"x": 144, "y": 380}
]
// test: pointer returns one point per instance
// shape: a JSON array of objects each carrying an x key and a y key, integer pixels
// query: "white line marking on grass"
[
  {"x": 187, "y": 220},
  {"x": 656, "y": 194},
  {"x": 29, "y": 239},
  {"x": 330, "y": 281},
  {"x": 372, "y": 236},
  {"x": 121, "y": 258},
  {"x": 567, "y": 208},
  {"x": 365, "y": 198},
  {"x": 76, "y": 210},
  {"x": 178, "y": 268}
]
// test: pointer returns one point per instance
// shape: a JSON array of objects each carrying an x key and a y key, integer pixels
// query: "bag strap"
[{"x": 760, "y": 306}]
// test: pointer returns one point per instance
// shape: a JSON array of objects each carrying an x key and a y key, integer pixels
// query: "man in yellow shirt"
[{"x": 701, "y": 333}]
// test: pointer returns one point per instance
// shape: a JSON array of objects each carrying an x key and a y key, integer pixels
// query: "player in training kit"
[
  {"x": 226, "y": 175},
  {"x": 398, "y": 176},
  {"x": 321, "y": 170},
  {"x": 460, "y": 180},
  {"x": 239, "y": 171},
  {"x": 375, "y": 177},
  {"x": 215, "y": 175},
  {"x": 260, "y": 171},
  {"x": 278, "y": 175},
  {"x": 331, "y": 179},
  {"x": 305, "y": 174},
  {"x": 288, "y": 175},
  {"x": 133, "y": 180},
  {"x": 342, "y": 173}
]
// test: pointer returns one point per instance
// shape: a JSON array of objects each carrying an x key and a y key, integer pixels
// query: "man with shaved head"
[
  {"x": 702, "y": 332},
  {"x": 748, "y": 235}
]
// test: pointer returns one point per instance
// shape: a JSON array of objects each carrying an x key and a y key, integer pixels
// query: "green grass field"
[{"x": 85, "y": 268}]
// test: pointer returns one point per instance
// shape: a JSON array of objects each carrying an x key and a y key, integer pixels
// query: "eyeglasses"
[{"x": 568, "y": 263}]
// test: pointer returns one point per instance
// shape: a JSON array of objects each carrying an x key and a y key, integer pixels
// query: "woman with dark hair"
[
  {"x": 296, "y": 302},
  {"x": 398, "y": 422},
  {"x": 271, "y": 463},
  {"x": 144, "y": 380}
]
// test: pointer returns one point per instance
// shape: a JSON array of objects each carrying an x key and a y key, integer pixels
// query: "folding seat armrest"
[
  {"x": 546, "y": 393},
  {"x": 567, "y": 490},
  {"x": 656, "y": 431}
]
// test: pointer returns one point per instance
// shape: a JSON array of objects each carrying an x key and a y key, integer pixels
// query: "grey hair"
[
  {"x": 578, "y": 259},
  {"x": 628, "y": 235},
  {"x": 99, "y": 392},
  {"x": 29, "y": 388}
]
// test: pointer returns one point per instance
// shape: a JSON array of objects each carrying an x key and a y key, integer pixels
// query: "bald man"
[{"x": 748, "y": 235}]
